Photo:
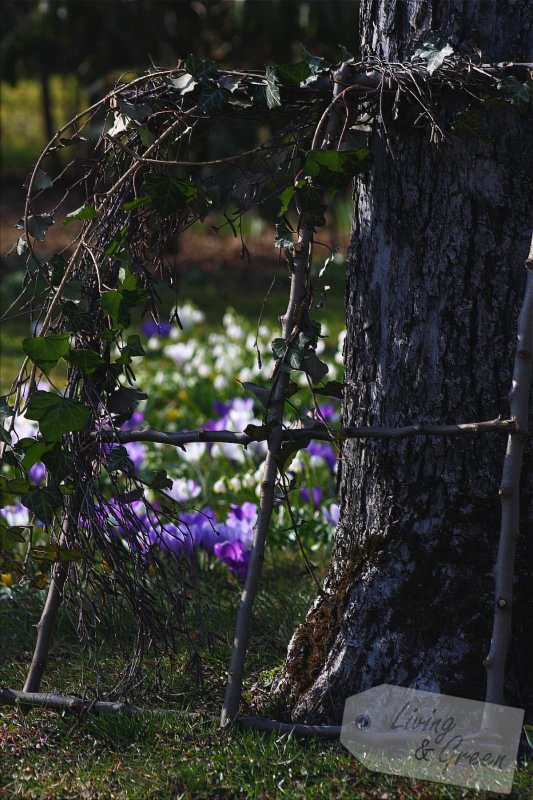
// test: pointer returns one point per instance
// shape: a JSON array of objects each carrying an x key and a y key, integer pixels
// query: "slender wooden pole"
[{"x": 510, "y": 496}]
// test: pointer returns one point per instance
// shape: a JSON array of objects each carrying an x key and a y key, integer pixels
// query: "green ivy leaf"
[
  {"x": 433, "y": 53},
  {"x": 286, "y": 198},
  {"x": 272, "y": 89},
  {"x": 53, "y": 553},
  {"x": 34, "y": 450},
  {"x": 199, "y": 68},
  {"x": 135, "y": 111},
  {"x": 168, "y": 195},
  {"x": 284, "y": 236},
  {"x": 316, "y": 64},
  {"x": 287, "y": 452},
  {"x": 293, "y": 74},
  {"x": 45, "y": 351},
  {"x": 83, "y": 213},
  {"x": 160, "y": 480},
  {"x": 119, "y": 460},
  {"x": 139, "y": 201},
  {"x": 38, "y": 225},
  {"x": 44, "y": 503},
  {"x": 331, "y": 389},
  {"x": 115, "y": 244},
  {"x": 315, "y": 368},
  {"x": 279, "y": 347},
  {"x": 56, "y": 415},
  {"x": 87, "y": 361},
  {"x": 184, "y": 83},
  {"x": 262, "y": 394},
  {"x": 10, "y": 535},
  {"x": 259, "y": 432},
  {"x": 5, "y": 409},
  {"x": 212, "y": 99},
  {"x": 40, "y": 182},
  {"x": 11, "y": 488},
  {"x": 60, "y": 463},
  {"x": 112, "y": 305}
]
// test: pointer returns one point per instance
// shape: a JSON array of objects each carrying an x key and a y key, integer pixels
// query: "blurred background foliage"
[{"x": 56, "y": 56}]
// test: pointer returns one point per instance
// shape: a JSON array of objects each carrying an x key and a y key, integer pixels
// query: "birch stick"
[{"x": 510, "y": 496}]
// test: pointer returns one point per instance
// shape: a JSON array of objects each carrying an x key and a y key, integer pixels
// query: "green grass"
[{"x": 46, "y": 755}]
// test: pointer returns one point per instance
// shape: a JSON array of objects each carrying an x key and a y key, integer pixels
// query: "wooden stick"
[{"x": 510, "y": 496}]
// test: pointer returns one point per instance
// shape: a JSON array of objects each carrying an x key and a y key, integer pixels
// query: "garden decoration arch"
[{"x": 142, "y": 187}]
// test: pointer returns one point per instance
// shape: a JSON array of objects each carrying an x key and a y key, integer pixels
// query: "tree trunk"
[{"x": 434, "y": 286}]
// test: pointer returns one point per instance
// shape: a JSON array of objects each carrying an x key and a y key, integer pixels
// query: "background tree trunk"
[{"x": 434, "y": 286}]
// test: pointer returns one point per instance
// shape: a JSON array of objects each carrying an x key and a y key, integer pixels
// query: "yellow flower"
[
  {"x": 172, "y": 414},
  {"x": 6, "y": 579}
]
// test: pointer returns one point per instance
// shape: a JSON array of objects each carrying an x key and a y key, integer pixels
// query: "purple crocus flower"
[
  {"x": 314, "y": 496},
  {"x": 331, "y": 515},
  {"x": 325, "y": 451},
  {"x": 131, "y": 424},
  {"x": 152, "y": 328},
  {"x": 37, "y": 473},
  {"x": 137, "y": 453},
  {"x": 234, "y": 555}
]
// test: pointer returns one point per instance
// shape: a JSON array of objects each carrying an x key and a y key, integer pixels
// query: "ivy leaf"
[
  {"x": 279, "y": 347},
  {"x": 87, "y": 361},
  {"x": 9, "y": 489},
  {"x": 284, "y": 237},
  {"x": 45, "y": 351},
  {"x": 22, "y": 246},
  {"x": 184, "y": 83},
  {"x": 160, "y": 480},
  {"x": 286, "y": 197},
  {"x": 56, "y": 415},
  {"x": 433, "y": 53},
  {"x": 44, "y": 503},
  {"x": 60, "y": 463},
  {"x": 520, "y": 94},
  {"x": 34, "y": 449},
  {"x": 125, "y": 400},
  {"x": 287, "y": 452},
  {"x": 199, "y": 68},
  {"x": 84, "y": 213},
  {"x": 332, "y": 168},
  {"x": 5, "y": 409},
  {"x": 113, "y": 305},
  {"x": 229, "y": 82},
  {"x": 38, "y": 225},
  {"x": 119, "y": 460},
  {"x": 293, "y": 74},
  {"x": 331, "y": 389},
  {"x": 168, "y": 195},
  {"x": 139, "y": 201},
  {"x": 73, "y": 291},
  {"x": 54, "y": 553},
  {"x": 10, "y": 535},
  {"x": 262, "y": 394},
  {"x": 315, "y": 368},
  {"x": 212, "y": 99},
  {"x": 259, "y": 432},
  {"x": 135, "y": 111},
  {"x": 316, "y": 64},
  {"x": 40, "y": 182},
  {"x": 272, "y": 89}
]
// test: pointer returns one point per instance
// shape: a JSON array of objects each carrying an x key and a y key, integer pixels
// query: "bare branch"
[{"x": 181, "y": 438}]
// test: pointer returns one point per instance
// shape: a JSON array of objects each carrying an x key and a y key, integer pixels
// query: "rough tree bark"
[{"x": 435, "y": 282}]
